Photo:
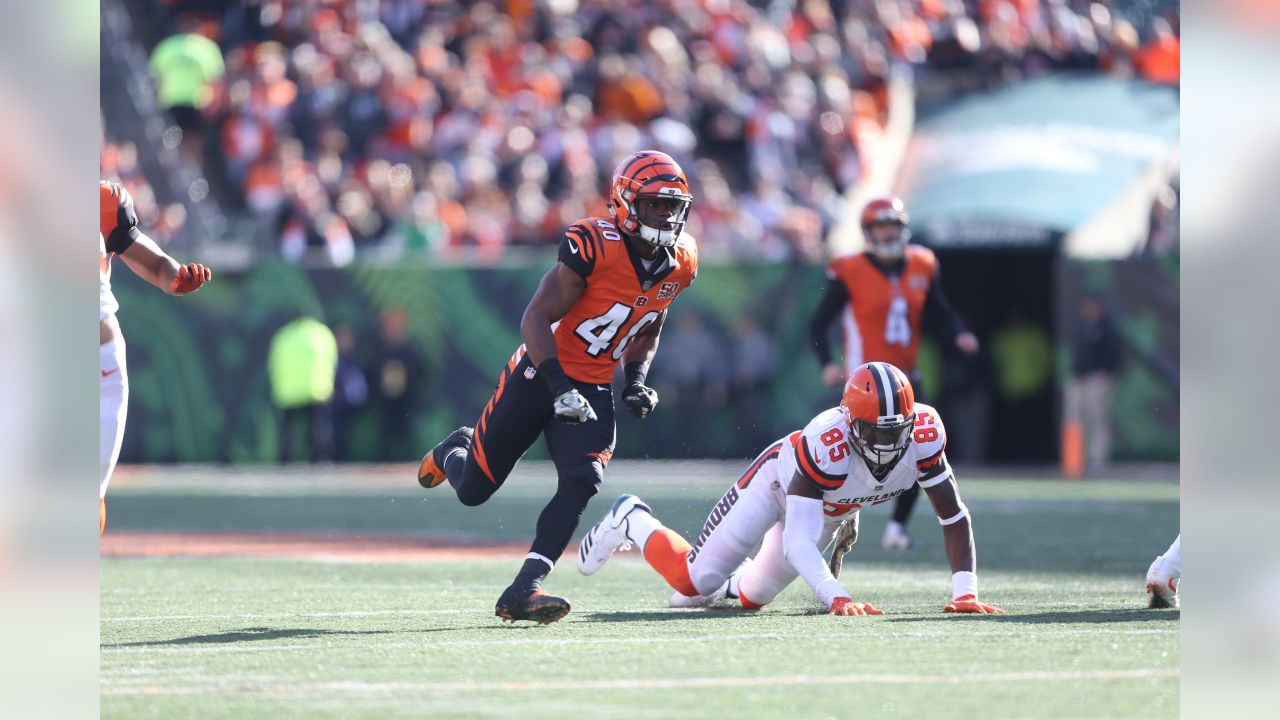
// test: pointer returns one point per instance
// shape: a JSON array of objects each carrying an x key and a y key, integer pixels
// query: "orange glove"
[
  {"x": 190, "y": 278},
  {"x": 846, "y": 606},
  {"x": 970, "y": 604}
]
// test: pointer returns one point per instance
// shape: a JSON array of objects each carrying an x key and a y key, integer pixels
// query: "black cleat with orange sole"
[
  {"x": 537, "y": 606},
  {"x": 431, "y": 470}
]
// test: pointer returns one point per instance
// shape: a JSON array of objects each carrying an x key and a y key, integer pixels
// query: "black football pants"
[{"x": 519, "y": 411}]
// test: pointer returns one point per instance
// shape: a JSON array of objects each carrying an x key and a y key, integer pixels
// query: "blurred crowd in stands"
[
  {"x": 119, "y": 162},
  {"x": 345, "y": 126}
]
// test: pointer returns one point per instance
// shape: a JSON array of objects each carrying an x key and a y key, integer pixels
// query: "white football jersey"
[{"x": 822, "y": 453}]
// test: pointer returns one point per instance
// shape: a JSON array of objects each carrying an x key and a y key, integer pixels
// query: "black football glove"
[{"x": 640, "y": 399}]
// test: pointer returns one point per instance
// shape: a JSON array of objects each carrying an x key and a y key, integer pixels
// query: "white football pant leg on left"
[
  {"x": 113, "y": 404},
  {"x": 732, "y": 530}
]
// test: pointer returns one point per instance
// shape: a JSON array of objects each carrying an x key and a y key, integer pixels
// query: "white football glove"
[{"x": 573, "y": 408}]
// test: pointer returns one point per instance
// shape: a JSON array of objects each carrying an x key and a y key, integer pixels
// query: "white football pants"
[
  {"x": 751, "y": 514},
  {"x": 113, "y": 402}
]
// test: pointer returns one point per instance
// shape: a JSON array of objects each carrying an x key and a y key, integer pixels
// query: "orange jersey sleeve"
[
  {"x": 117, "y": 218},
  {"x": 622, "y": 297}
]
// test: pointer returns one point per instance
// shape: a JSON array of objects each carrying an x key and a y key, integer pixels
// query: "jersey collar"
[
  {"x": 666, "y": 265},
  {"x": 893, "y": 269}
]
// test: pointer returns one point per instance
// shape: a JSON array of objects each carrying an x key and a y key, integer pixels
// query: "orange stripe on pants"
[
  {"x": 477, "y": 450},
  {"x": 477, "y": 443},
  {"x": 666, "y": 552}
]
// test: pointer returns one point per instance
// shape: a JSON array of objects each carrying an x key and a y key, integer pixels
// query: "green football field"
[{"x": 402, "y": 635}]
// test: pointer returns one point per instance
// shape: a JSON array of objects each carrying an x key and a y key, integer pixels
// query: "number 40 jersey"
[
  {"x": 624, "y": 295},
  {"x": 822, "y": 454}
]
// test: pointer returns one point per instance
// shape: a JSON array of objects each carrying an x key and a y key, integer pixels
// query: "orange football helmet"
[
  {"x": 880, "y": 405},
  {"x": 649, "y": 198},
  {"x": 886, "y": 211}
]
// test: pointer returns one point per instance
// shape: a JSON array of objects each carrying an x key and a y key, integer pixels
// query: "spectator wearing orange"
[{"x": 1159, "y": 60}]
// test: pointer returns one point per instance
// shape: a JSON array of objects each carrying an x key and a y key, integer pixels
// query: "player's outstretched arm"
[
  {"x": 639, "y": 398},
  {"x": 559, "y": 290},
  {"x": 154, "y": 265},
  {"x": 943, "y": 320},
  {"x": 957, "y": 538},
  {"x": 800, "y": 534}
]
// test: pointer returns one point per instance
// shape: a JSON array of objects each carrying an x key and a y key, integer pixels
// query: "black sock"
[
  {"x": 531, "y": 574},
  {"x": 454, "y": 463}
]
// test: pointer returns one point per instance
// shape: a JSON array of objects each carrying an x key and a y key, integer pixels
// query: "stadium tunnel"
[{"x": 1016, "y": 191}]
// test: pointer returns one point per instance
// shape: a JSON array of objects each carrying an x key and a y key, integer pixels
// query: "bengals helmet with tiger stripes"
[
  {"x": 649, "y": 198},
  {"x": 879, "y": 403}
]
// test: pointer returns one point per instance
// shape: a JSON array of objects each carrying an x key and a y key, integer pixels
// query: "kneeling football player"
[
  {"x": 603, "y": 303},
  {"x": 797, "y": 496}
]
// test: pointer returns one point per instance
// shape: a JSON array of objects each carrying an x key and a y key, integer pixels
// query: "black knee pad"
[
  {"x": 579, "y": 485},
  {"x": 578, "y": 488},
  {"x": 583, "y": 479}
]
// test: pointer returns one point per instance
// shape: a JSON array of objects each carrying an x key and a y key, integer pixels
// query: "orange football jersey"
[
  {"x": 882, "y": 321},
  {"x": 622, "y": 297}
]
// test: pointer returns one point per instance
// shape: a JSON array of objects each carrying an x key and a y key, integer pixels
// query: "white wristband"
[
  {"x": 828, "y": 591},
  {"x": 964, "y": 583}
]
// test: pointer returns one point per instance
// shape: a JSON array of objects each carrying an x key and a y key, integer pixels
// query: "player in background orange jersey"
[
  {"x": 119, "y": 236},
  {"x": 882, "y": 297},
  {"x": 603, "y": 303}
]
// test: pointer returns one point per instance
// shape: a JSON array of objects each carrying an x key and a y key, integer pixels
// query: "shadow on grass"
[
  {"x": 708, "y": 614},
  {"x": 1092, "y": 616},
  {"x": 254, "y": 634},
  {"x": 659, "y": 615},
  {"x": 259, "y": 634}
]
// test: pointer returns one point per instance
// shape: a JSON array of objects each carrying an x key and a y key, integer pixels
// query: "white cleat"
[
  {"x": 608, "y": 535},
  {"x": 718, "y": 598},
  {"x": 896, "y": 538},
  {"x": 1162, "y": 585}
]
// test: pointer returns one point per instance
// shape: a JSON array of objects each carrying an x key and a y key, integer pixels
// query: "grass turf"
[{"x": 233, "y": 637}]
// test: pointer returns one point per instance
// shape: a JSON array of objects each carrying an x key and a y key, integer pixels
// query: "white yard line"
[{"x": 648, "y": 683}]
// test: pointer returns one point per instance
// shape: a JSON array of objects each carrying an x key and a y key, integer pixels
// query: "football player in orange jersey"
[
  {"x": 601, "y": 304},
  {"x": 882, "y": 296},
  {"x": 119, "y": 236}
]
